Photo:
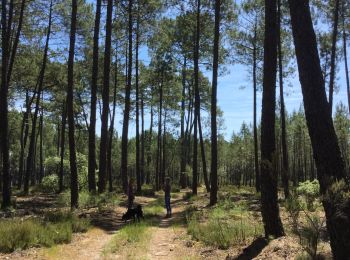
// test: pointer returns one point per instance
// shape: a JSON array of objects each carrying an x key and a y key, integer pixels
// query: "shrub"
[
  {"x": 310, "y": 190},
  {"x": 293, "y": 208},
  {"x": 49, "y": 183}
]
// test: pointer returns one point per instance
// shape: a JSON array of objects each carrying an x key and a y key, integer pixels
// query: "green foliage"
[
  {"x": 18, "y": 234},
  {"x": 49, "y": 184},
  {"x": 91, "y": 200},
  {"x": 78, "y": 225},
  {"x": 293, "y": 207},
  {"x": 52, "y": 166},
  {"x": 310, "y": 190}
]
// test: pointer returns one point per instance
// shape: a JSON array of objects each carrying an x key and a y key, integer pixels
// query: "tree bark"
[
  {"x": 333, "y": 54},
  {"x": 269, "y": 204},
  {"x": 124, "y": 155},
  {"x": 105, "y": 98},
  {"x": 285, "y": 163},
  {"x": 70, "y": 111},
  {"x": 214, "y": 140},
  {"x": 326, "y": 151},
  {"x": 6, "y": 178}
]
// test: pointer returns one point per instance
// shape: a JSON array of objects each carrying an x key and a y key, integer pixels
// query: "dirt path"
[{"x": 167, "y": 239}]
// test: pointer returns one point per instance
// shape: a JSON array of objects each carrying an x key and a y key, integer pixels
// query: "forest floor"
[{"x": 159, "y": 237}]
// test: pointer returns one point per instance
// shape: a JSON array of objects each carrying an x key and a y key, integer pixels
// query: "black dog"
[{"x": 133, "y": 213}]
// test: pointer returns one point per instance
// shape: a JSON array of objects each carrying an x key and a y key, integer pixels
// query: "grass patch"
[
  {"x": 134, "y": 235},
  {"x": 155, "y": 208},
  {"x": 18, "y": 234},
  {"x": 228, "y": 223},
  {"x": 220, "y": 233}
]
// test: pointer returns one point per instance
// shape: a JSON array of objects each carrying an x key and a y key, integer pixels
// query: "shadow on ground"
[{"x": 253, "y": 250}]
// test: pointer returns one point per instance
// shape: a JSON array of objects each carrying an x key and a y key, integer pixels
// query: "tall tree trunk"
[
  {"x": 41, "y": 155},
  {"x": 105, "y": 97},
  {"x": 124, "y": 155},
  {"x": 183, "y": 137},
  {"x": 285, "y": 163},
  {"x": 255, "y": 128},
  {"x": 92, "y": 128},
  {"x": 149, "y": 154},
  {"x": 159, "y": 139},
  {"x": 196, "y": 101},
  {"x": 327, "y": 155},
  {"x": 214, "y": 137},
  {"x": 269, "y": 204},
  {"x": 30, "y": 158},
  {"x": 204, "y": 162},
  {"x": 138, "y": 174},
  {"x": 142, "y": 170},
  {"x": 74, "y": 187},
  {"x": 333, "y": 54},
  {"x": 345, "y": 55},
  {"x": 63, "y": 135},
  {"x": 111, "y": 127},
  {"x": 164, "y": 158},
  {"x": 6, "y": 178},
  {"x": 23, "y": 140}
]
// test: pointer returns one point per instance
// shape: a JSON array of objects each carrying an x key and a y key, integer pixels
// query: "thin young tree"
[
  {"x": 39, "y": 90},
  {"x": 124, "y": 152},
  {"x": 197, "y": 101},
  {"x": 70, "y": 110},
  {"x": 214, "y": 135},
  {"x": 285, "y": 164},
  {"x": 105, "y": 98},
  {"x": 269, "y": 203},
  {"x": 92, "y": 128},
  {"x": 137, "y": 101}
]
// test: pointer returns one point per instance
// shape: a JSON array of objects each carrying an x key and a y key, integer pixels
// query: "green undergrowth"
[
  {"x": 134, "y": 235},
  {"x": 91, "y": 200},
  {"x": 53, "y": 228},
  {"x": 227, "y": 224}
]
